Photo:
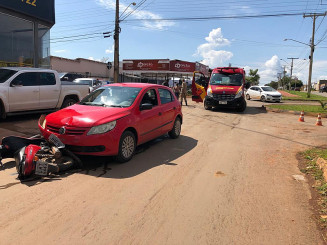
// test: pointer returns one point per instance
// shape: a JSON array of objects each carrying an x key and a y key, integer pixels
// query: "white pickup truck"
[{"x": 23, "y": 90}]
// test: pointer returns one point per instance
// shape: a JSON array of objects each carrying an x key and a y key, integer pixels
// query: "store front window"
[
  {"x": 17, "y": 43},
  {"x": 16, "y": 38},
  {"x": 44, "y": 46}
]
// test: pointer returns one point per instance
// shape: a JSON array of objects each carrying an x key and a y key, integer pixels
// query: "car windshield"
[
  {"x": 88, "y": 82},
  {"x": 228, "y": 79},
  {"x": 112, "y": 97},
  {"x": 5, "y": 74},
  {"x": 268, "y": 89}
]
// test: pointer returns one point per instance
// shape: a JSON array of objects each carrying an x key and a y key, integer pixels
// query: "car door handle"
[
  {"x": 36, "y": 91},
  {"x": 160, "y": 113}
]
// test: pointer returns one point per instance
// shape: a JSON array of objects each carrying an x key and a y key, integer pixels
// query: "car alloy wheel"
[
  {"x": 176, "y": 130},
  {"x": 177, "y": 127},
  {"x": 263, "y": 99},
  {"x": 128, "y": 146}
]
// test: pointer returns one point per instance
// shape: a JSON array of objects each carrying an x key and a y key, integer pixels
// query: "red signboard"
[
  {"x": 182, "y": 66},
  {"x": 146, "y": 65},
  {"x": 202, "y": 68}
]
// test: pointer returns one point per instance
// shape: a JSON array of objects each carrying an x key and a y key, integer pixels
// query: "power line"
[{"x": 221, "y": 17}]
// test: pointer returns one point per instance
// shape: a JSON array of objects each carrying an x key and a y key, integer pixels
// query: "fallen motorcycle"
[{"x": 36, "y": 156}]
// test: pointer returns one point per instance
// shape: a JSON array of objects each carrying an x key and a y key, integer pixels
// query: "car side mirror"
[
  {"x": 146, "y": 106},
  {"x": 16, "y": 84}
]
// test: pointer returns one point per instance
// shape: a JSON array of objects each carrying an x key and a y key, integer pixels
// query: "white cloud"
[
  {"x": 92, "y": 58},
  {"x": 208, "y": 52},
  {"x": 61, "y": 51},
  {"x": 268, "y": 72},
  {"x": 138, "y": 14},
  {"x": 110, "y": 50},
  {"x": 269, "y": 69}
]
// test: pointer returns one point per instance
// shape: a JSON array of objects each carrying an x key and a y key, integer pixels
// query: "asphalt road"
[
  {"x": 321, "y": 94},
  {"x": 228, "y": 179}
]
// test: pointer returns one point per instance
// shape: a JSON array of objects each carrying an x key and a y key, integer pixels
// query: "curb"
[{"x": 310, "y": 114}]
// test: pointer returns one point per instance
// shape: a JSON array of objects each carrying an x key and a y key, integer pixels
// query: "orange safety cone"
[
  {"x": 301, "y": 119},
  {"x": 319, "y": 122}
]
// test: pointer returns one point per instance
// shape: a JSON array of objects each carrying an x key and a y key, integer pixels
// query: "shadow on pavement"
[
  {"x": 161, "y": 151},
  {"x": 22, "y": 124},
  {"x": 250, "y": 110}
]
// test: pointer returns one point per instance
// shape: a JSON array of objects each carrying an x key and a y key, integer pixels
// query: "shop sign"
[
  {"x": 182, "y": 66},
  {"x": 14, "y": 64},
  {"x": 40, "y": 9},
  {"x": 202, "y": 68},
  {"x": 146, "y": 65}
]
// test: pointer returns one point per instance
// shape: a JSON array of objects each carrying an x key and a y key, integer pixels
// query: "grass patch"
[
  {"x": 320, "y": 185},
  {"x": 303, "y": 96},
  {"x": 305, "y": 108}
]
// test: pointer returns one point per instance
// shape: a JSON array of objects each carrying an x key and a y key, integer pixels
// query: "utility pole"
[
  {"x": 292, "y": 69},
  {"x": 279, "y": 77},
  {"x": 116, "y": 38},
  {"x": 312, "y": 46},
  {"x": 284, "y": 73}
]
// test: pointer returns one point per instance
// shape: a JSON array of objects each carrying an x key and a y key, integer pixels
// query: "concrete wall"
[{"x": 93, "y": 68}]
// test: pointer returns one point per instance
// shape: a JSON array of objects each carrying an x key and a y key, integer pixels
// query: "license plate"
[
  {"x": 41, "y": 168},
  {"x": 56, "y": 141},
  {"x": 223, "y": 102}
]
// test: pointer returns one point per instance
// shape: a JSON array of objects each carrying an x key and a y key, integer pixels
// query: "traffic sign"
[{"x": 109, "y": 65}]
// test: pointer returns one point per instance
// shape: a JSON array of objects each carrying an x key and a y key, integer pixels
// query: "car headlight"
[
  {"x": 42, "y": 121},
  {"x": 103, "y": 128},
  {"x": 239, "y": 94},
  {"x": 209, "y": 92}
]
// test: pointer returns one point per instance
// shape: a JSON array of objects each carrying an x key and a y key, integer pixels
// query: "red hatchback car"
[{"x": 114, "y": 119}]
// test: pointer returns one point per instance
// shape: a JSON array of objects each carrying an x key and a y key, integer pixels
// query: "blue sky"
[{"x": 252, "y": 43}]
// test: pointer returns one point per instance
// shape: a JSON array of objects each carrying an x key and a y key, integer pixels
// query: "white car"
[
  {"x": 25, "y": 90},
  {"x": 263, "y": 93},
  {"x": 92, "y": 82}
]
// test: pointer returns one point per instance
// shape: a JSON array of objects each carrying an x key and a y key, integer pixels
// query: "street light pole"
[
  {"x": 116, "y": 38},
  {"x": 312, "y": 46},
  {"x": 311, "y": 55}
]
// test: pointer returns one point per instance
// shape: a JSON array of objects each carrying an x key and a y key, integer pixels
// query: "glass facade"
[
  {"x": 19, "y": 47},
  {"x": 44, "y": 46}
]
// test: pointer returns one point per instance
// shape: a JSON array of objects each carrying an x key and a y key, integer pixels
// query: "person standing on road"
[
  {"x": 177, "y": 90},
  {"x": 183, "y": 92},
  {"x": 166, "y": 83}
]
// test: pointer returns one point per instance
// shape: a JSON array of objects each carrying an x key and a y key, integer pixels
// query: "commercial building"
[
  {"x": 160, "y": 70},
  {"x": 84, "y": 67},
  {"x": 25, "y": 32}
]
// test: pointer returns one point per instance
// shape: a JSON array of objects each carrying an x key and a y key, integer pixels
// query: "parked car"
[
  {"x": 323, "y": 89},
  {"x": 115, "y": 118},
  {"x": 69, "y": 76},
  {"x": 23, "y": 90},
  {"x": 93, "y": 83},
  {"x": 263, "y": 93}
]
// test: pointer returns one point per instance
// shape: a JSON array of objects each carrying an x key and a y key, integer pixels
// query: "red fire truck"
[{"x": 224, "y": 89}]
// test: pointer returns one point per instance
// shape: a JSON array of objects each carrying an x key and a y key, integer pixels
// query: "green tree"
[
  {"x": 253, "y": 77},
  {"x": 296, "y": 83},
  {"x": 285, "y": 81},
  {"x": 272, "y": 84}
]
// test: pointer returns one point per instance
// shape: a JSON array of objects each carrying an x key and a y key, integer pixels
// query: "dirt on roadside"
[{"x": 285, "y": 94}]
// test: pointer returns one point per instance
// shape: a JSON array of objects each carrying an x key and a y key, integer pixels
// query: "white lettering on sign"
[
  {"x": 178, "y": 65},
  {"x": 142, "y": 64}
]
